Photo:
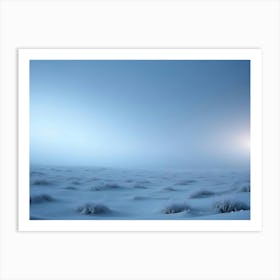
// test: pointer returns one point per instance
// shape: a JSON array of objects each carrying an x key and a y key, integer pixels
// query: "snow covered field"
[{"x": 76, "y": 193}]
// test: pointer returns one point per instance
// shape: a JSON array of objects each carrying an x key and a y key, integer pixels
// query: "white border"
[{"x": 254, "y": 224}]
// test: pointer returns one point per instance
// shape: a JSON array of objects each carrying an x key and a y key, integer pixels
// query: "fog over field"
[{"x": 139, "y": 139}]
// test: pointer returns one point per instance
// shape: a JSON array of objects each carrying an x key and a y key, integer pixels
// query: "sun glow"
[{"x": 244, "y": 142}]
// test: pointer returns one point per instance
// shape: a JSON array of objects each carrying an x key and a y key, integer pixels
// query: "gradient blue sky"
[{"x": 140, "y": 113}]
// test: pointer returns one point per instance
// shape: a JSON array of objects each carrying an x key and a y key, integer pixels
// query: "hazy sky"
[{"x": 140, "y": 113}]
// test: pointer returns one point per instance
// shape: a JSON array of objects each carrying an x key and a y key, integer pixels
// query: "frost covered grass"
[
  {"x": 39, "y": 198},
  {"x": 92, "y": 208},
  {"x": 137, "y": 194},
  {"x": 175, "y": 207},
  {"x": 227, "y": 205},
  {"x": 201, "y": 194}
]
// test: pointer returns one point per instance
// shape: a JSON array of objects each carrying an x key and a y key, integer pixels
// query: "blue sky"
[{"x": 140, "y": 113}]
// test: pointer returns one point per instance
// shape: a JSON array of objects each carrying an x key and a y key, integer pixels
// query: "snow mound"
[
  {"x": 138, "y": 197},
  {"x": 41, "y": 182},
  {"x": 185, "y": 182},
  {"x": 138, "y": 186},
  {"x": 144, "y": 182},
  {"x": 245, "y": 188},
  {"x": 201, "y": 194},
  {"x": 76, "y": 183},
  {"x": 70, "y": 188},
  {"x": 105, "y": 187},
  {"x": 129, "y": 181},
  {"x": 168, "y": 189},
  {"x": 37, "y": 173},
  {"x": 175, "y": 207},
  {"x": 93, "y": 179},
  {"x": 229, "y": 205},
  {"x": 39, "y": 198},
  {"x": 93, "y": 209}
]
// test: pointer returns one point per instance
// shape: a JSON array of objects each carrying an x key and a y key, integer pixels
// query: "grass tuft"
[
  {"x": 174, "y": 207},
  {"x": 229, "y": 205},
  {"x": 93, "y": 209}
]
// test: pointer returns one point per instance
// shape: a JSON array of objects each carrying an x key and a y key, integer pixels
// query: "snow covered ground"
[{"x": 76, "y": 193}]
